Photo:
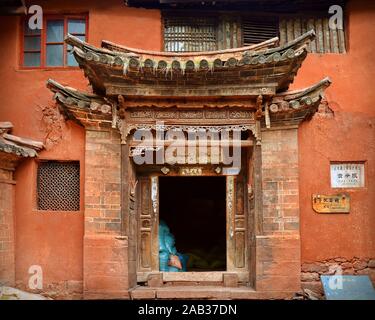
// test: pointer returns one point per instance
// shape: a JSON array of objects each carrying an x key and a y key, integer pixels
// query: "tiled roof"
[
  {"x": 15, "y": 145},
  {"x": 249, "y": 71}
]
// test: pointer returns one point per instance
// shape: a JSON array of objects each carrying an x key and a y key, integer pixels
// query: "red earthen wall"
[
  {"x": 348, "y": 136},
  {"x": 54, "y": 240}
]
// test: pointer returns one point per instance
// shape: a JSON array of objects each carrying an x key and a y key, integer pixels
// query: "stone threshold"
[{"x": 206, "y": 292}]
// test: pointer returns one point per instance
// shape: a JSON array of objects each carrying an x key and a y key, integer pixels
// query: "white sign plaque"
[{"x": 347, "y": 175}]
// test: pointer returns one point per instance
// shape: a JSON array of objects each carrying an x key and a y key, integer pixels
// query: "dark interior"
[{"x": 194, "y": 208}]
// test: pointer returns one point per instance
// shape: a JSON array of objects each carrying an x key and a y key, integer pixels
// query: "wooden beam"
[{"x": 176, "y": 143}]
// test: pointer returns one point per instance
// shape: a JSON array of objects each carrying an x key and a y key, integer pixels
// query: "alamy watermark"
[
  {"x": 336, "y": 21},
  {"x": 190, "y": 146},
  {"x": 36, "y": 18},
  {"x": 36, "y": 278}
]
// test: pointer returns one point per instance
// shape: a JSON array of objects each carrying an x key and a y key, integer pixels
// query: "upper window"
[
  {"x": 187, "y": 32},
  {"x": 46, "y": 47},
  {"x": 327, "y": 40},
  {"x": 256, "y": 30}
]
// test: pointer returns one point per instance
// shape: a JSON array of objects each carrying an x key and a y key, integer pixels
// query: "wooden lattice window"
[
  {"x": 259, "y": 29},
  {"x": 185, "y": 33},
  {"x": 58, "y": 186},
  {"x": 327, "y": 40}
]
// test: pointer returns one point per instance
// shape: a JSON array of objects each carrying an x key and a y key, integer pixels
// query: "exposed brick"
[
  {"x": 291, "y": 226},
  {"x": 315, "y": 286},
  {"x": 310, "y": 276}
]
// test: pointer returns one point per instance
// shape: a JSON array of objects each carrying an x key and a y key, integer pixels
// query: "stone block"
[
  {"x": 310, "y": 276},
  {"x": 371, "y": 263},
  {"x": 359, "y": 265},
  {"x": 314, "y": 267}
]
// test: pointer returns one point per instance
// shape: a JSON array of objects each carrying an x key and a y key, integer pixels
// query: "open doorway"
[{"x": 194, "y": 209}]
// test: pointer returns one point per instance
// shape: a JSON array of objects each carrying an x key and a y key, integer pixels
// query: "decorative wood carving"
[
  {"x": 155, "y": 114},
  {"x": 148, "y": 221}
]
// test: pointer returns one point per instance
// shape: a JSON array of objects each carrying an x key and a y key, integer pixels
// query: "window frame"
[
  {"x": 43, "y": 41},
  {"x": 36, "y": 165},
  {"x": 165, "y": 14}
]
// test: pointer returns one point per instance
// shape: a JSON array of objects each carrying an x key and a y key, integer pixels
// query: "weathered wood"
[
  {"x": 211, "y": 276},
  {"x": 311, "y": 26},
  {"x": 155, "y": 280},
  {"x": 176, "y": 143},
  {"x": 240, "y": 243},
  {"x": 304, "y": 26},
  {"x": 239, "y": 32},
  {"x": 155, "y": 223},
  {"x": 228, "y": 34},
  {"x": 220, "y": 36},
  {"x": 231, "y": 211},
  {"x": 326, "y": 36},
  {"x": 319, "y": 36},
  {"x": 297, "y": 27},
  {"x": 132, "y": 221},
  {"x": 290, "y": 29},
  {"x": 341, "y": 40},
  {"x": 283, "y": 32},
  {"x": 147, "y": 228},
  {"x": 334, "y": 41},
  {"x": 230, "y": 280}
]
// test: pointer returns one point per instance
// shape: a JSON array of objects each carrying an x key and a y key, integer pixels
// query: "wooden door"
[
  {"x": 148, "y": 217},
  {"x": 236, "y": 224}
]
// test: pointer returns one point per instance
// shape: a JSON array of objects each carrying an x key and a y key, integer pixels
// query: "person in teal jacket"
[{"x": 167, "y": 249}]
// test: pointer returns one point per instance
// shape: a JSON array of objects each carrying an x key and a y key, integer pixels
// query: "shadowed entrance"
[{"x": 194, "y": 208}]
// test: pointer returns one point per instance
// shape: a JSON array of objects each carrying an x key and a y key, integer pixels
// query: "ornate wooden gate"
[{"x": 236, "y": 231}]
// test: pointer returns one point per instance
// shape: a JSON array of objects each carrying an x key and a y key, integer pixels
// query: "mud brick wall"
[
  {"x": 7, "y": 259},
  {"x": 102, "y": 182},
  {"x": 280, "y": 181},
  {"x": 105, "y": 249},
  {"x": 278, "y": 249}
]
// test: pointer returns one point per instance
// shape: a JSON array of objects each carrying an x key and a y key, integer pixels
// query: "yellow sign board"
[{"x": 339, "y": 203}]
